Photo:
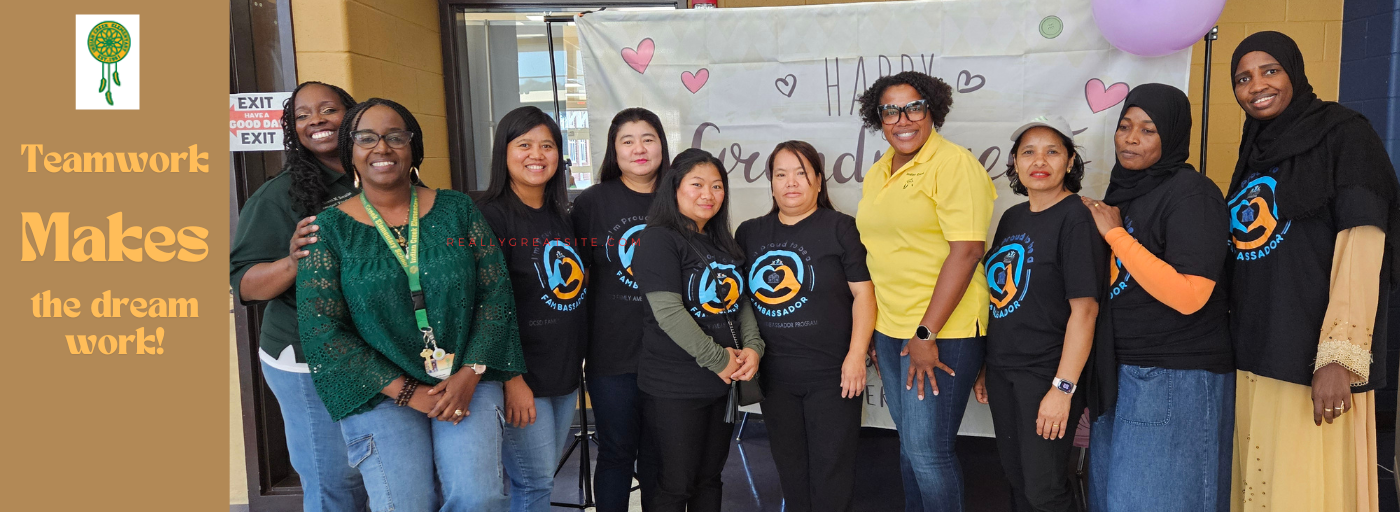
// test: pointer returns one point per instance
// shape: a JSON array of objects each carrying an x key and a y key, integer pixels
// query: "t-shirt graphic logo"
[
  {"x": 1118, "y": 275},
  {"x": 1254, "y": 222},
  {"x": 719, "y": 289},
  {"x": 1008, "y": 278},
  {"x": 776, "y": 282},
  {"x": 561, "y": 275},
  {"x": 621, "y": 245},
  {"x": 626, "y": 246}
]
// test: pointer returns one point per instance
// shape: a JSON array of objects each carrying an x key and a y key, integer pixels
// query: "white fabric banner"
[{"x": 738, "y": 81}]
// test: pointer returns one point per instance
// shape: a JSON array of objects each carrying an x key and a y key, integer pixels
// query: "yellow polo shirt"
[{"x": 906, "y": 220}]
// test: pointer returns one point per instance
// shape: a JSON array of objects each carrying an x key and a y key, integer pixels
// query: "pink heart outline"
[
  {"x": 694, "y": 81},
  {"x": 1101, "y": 98},
  {"x": 640, "y": 58}
]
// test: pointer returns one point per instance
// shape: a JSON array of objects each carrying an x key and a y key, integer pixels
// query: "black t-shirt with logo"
[
  {"x": 1037, "y": 263},
  {"x": 1183, "y": 221},
  {"x": 797, "y": 279},
  {"x": 1281, "y": 276},
  {"x": 546, "y": 274},
  {"x": 710, "y": 284},
  {"x": 608, "y": 219}
]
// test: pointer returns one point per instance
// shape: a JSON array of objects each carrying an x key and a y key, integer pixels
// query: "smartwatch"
[
  {"x": 1064, "y": 386},
  {"x": 923, "y": 333}
]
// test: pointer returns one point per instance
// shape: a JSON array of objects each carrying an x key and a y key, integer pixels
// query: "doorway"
[{"x": 503, "y": 58}]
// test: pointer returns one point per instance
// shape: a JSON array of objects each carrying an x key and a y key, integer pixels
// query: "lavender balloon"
[{"x": 1155, "y": 27}]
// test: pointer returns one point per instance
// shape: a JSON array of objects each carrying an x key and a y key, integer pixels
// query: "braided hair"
[
  {"x": 352, "y": 122},
  {"x": 308, "y": 192}
]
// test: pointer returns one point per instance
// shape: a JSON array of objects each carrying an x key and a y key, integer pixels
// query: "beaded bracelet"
[{"x": 406, "y": 392}]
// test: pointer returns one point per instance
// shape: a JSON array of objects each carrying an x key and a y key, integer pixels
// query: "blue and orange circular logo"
[
  {"x": 1008, "y": 279},
  {"x": 777, "y": 280},
  {"x": 1255, "y": 227},
  {"x": 718, "y": 290},
  {"x": 561, "y": 274}
]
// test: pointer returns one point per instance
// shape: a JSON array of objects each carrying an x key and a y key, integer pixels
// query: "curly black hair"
[
  {"x": 1073, "y": 177},
  {"x": 352, "y": 123},
  {"x": 308, "y": 193},
  {"x": 938, "y": 93}
]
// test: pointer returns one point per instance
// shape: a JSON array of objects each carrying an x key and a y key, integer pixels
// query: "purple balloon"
[{"x": 1155, "y": 27}]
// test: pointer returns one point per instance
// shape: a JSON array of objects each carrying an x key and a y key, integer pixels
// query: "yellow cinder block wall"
[
  {"x": 380, "y": 48},
  {"x": 1317, "y": 27}
]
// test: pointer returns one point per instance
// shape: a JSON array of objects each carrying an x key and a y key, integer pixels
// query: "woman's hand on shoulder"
[
  {"x": 1105, "y": 217},
  {"x": 304, "y": 235}
]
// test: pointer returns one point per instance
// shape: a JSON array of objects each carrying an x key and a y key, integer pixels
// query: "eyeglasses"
[
  {"x": 915, "y": 111},
  {"x": 368, "y": 139}
]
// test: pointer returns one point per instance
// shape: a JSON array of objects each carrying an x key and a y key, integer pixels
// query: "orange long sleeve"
[{"x": 1185, "y": 293}]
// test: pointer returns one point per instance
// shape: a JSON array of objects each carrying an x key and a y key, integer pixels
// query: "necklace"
[{"x": 398, "y": 232}]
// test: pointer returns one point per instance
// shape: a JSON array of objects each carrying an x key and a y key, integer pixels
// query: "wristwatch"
[
  {"x": 923, "y": 333},
  {"x": 1064, "y": 386},
  {"x": 478, "y": 368}
]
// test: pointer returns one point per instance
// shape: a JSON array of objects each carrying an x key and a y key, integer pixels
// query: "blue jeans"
[
  {"x": 532, "y": 453},
  {"x": 399, "y": 451},
  {"x": 617, "y": 408},
  {"x": 328, "y": 483},
  {"x": 1167, "y": 445},
  {"x": 928, "y": 428}
]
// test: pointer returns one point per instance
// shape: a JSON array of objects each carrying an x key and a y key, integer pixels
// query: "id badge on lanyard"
[{"x": 436, "y": 361}]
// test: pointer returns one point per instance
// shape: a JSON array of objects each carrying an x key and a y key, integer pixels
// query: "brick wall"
[
  {"x": 385, "y": 48},
  {"x": 1371, "y": 65}
]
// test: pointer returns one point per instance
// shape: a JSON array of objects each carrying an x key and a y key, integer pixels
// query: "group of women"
[{"x": 429, "y": 355}]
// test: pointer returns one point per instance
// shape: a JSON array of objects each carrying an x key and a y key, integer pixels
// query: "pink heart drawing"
[
  {"x": 640, "y": 58},
  {"x": 694, "y": 81},
  {"x": 1100, "y": 98}
]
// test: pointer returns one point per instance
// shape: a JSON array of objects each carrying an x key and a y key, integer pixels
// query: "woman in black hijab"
[
  {"x": 1160, "y": 386},
  {"x": 1311, "y": 201}
]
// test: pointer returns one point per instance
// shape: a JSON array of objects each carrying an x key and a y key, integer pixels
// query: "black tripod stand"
[{"x": 581, "y": 440}]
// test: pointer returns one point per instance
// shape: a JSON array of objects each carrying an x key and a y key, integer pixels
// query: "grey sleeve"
[
  {"x": 748, "y": 328},
  {"x": 670, "y": 313}
]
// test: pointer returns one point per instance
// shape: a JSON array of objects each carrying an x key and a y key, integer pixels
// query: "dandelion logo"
[
  {"x": 109, "y": 42},
  {"x": 107, "y": 61}
]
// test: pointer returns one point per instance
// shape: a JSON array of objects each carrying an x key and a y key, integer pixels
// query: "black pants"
[
  {"x": 617, "y": 408},
  {"x": 1036, "y": 467},
  {"x": 813, "y": 433},
  {"x": 691, "y": 442}
]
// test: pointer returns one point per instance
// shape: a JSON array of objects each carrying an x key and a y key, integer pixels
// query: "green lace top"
[{"x": 356, "y": 316}]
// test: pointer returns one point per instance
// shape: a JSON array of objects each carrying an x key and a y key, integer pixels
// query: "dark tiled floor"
[{"x": 751, "y": 482}]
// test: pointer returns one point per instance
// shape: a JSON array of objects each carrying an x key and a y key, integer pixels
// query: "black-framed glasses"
[
  {"x": 915, "y": 111},
  {"x": 368, "y": 139}
]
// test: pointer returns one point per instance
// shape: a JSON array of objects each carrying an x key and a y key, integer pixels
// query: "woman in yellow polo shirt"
[{"x": 923, "y": 217}]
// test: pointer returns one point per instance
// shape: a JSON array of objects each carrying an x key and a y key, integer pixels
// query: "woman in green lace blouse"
[{"x": 405, "y": 288}]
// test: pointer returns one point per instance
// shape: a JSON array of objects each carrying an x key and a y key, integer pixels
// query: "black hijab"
[
  {"x": 1318, "y": 146},
  {"x": 1170, "y": 111}
]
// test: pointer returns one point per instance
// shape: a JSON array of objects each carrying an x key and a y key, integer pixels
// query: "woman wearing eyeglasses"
[
  {"x": 923, "y": 217},
  {"x": 408, "y": 330}
]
